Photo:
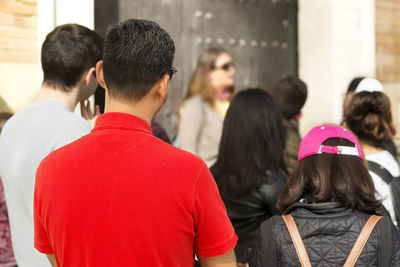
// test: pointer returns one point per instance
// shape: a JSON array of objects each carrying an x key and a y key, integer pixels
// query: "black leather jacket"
[
  {"x": 248, "y": 211},
  {"x": 329, "y": 232}
]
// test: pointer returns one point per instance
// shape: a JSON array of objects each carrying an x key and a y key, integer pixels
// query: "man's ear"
[
  {"x": 100, "y": 75},
  {"x": 88, "y": 76},
  {"x": 162, "y": 88}
]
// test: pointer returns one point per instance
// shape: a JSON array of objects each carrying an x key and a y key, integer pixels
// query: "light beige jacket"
[{"x": 200, "y": 129}]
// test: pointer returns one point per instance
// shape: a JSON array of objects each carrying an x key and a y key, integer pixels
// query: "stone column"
[{"x": 336, "y": 44}]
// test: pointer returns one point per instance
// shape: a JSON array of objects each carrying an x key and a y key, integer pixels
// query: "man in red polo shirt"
[{"x": 120, "y": 196}]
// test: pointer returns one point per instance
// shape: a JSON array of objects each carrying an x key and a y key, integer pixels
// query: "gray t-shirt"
[{"x": 28, "y": 137}]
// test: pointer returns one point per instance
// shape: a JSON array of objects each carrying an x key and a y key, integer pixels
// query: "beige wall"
[{"x": 19, "y": 84}]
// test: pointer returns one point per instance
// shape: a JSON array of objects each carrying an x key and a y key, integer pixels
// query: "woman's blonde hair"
[{"x": 200, "y": 83}]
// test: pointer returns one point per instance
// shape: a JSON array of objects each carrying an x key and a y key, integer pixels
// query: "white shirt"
[{"x": 383, "y": 193}]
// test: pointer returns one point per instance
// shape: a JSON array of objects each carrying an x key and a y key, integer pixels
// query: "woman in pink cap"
[{"x": 328, "y": 201}]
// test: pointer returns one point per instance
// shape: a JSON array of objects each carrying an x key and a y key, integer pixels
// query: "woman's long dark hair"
[
  {"x": 330, "y": 177},
  {"x": 253, "y": 141}
]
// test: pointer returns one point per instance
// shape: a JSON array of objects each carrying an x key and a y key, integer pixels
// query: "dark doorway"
[{"x": 261, "y": 35}]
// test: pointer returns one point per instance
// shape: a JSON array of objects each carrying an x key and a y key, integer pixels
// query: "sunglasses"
[
  {"x": 170, "y": 71},
  {"x": 226, "y": 66}
]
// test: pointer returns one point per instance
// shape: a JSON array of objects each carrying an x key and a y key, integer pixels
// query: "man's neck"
[
  {"x": 140, "y": 108},
  {"x": 69, "y": 99},
  {"x": 369, "y": 149}
]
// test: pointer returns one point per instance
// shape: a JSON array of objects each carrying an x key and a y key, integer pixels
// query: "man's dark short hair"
[
  {"x": 67, "y": 52},
  {"x": 136, "y": 55},
  {"x": 290, "y": 94}
]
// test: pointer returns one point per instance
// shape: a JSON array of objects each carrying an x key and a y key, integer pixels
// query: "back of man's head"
[
  {"x": 290, "y": 94},
  {"x": 136, "y": 55},
  {"x": 67, "y": 52}
]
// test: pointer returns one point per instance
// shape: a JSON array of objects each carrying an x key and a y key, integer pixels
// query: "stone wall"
[
  {"x": 18, "y": 30},
  {"x": 387, "y": 14}
]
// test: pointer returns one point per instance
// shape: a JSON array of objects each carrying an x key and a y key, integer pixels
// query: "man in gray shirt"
[{"x": 69, "y": 56}]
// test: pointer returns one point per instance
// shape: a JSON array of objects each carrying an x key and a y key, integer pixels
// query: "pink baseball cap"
[{"x": 312, "y": 142}]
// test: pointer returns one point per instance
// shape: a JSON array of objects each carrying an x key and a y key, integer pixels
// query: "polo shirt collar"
[{"x": 121, "y": 121}]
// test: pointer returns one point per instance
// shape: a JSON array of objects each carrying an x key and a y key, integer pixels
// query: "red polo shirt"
[{"x": 121, "y": 197}]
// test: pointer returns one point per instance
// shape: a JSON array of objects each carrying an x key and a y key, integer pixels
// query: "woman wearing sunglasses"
[{"x": 204, "y": 106}]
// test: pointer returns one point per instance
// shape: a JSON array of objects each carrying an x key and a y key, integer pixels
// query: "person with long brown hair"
[
  {"x": 361, "y": 84},
  {"x": 329, "y": 198},
  {"x": 250, "y": 170},
  {"x": 204, "y": 106},
  {"x": 369, "y": 116}
]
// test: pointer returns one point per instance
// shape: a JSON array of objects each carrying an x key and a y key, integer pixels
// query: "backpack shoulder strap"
[
  {"x": 266, "y": 246},
  {"x": 361, "y": 241},
  {"x": 385, "y": 237},
  {"x": 392, "y": 181},
  {"x": 380, "y": 171},
  {"x": 297, "y": 241}
]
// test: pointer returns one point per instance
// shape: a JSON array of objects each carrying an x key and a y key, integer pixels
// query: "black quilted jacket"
[{"x": 329, "y": 232}]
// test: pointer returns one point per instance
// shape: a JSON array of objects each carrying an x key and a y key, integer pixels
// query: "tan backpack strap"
[
  {"x": 361, "y": 241},
  {"x": 297, "y": 241}
]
